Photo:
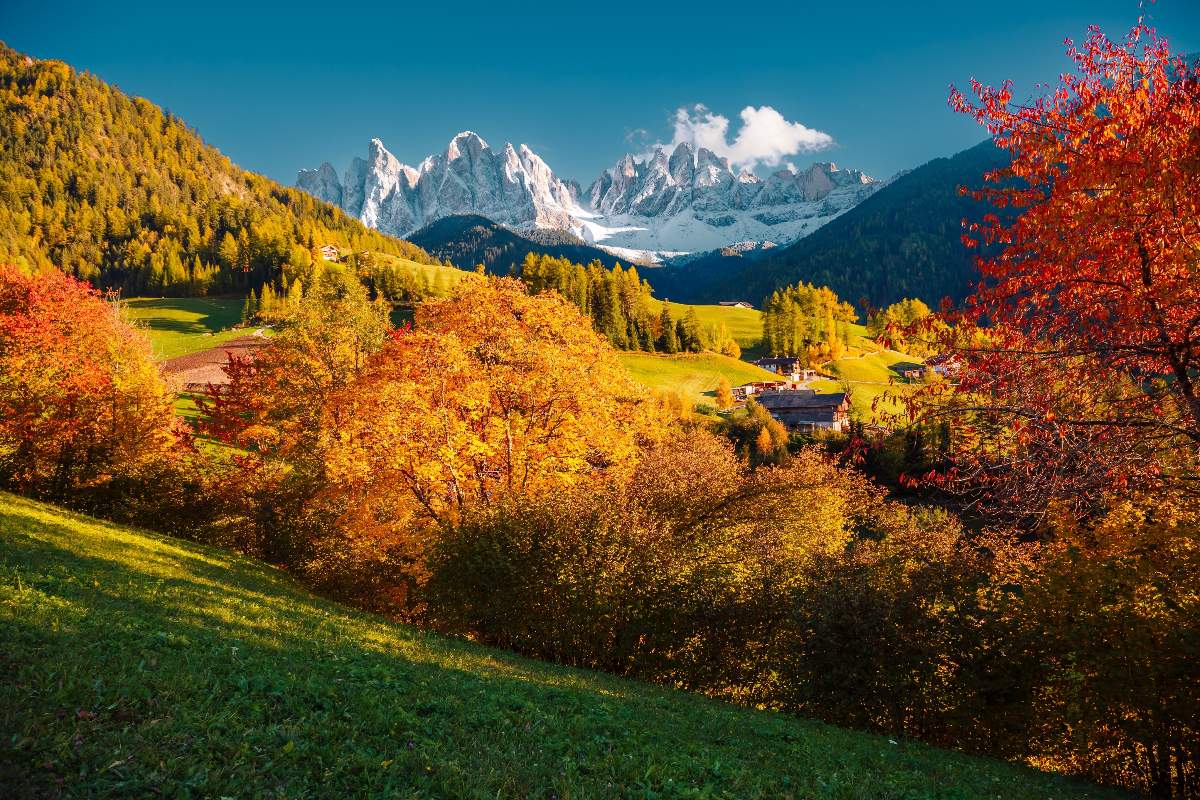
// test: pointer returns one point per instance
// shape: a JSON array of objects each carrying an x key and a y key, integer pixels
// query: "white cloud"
[{"x": 764, "y": 138}]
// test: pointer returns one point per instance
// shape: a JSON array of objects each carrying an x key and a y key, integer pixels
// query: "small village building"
[
  {"x": 944, "y": 366},
  {"x": 735, "y": 304},
  {"x": 330, "y": 252},
  {"x": 748, "y": 390},
  {"x": 806, "y": 411},
  {"x": 789, "y": 367}
]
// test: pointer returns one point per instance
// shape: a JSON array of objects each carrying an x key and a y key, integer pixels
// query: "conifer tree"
[
  {"x": 670, "y": 337},
  {"x": 250, "y": 308}
]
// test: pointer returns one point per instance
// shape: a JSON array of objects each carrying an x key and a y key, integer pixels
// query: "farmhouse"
[
  {"x": 805, "y": 410},
  {"x": 945, "y": 366},
  {"x": 788, "y": 366},
  {"x": 747, "y": 390},
  {"x": 330, "y": 252},
  {"x": 735, "y": 304}
]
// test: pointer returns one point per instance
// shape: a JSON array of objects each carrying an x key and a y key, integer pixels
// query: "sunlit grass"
[
  {"x": 692, "y": 376},
  {"x": 743, "y": 324},
  {"x": 137, "y": 665},
  {"x": 181, "y": 325},
  {"x": 873, "y": 396}
]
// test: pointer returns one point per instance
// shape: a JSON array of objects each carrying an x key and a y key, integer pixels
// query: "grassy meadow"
[
  {"x": 693, "y": 375},
  {"x": 744, "y": 324},
  {"x": 135, "y": 664},
  {"x": 181, "y": 325},
  {"x": 439, "y": 279},
  {"x": 869, "y": 376}
]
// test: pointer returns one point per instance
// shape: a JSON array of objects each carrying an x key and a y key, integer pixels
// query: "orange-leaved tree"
[
  {"x": 273, "y": 410},
  {"x": 492, "y": 394},
  {"x": 1087, "y": 373},
  {"x": 81, "y": 402}
]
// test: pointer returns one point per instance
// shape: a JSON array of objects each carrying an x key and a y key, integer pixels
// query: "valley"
[{"x": 731, "y": 472}]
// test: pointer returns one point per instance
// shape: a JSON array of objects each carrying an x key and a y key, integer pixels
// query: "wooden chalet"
[
  {"x": 787, "y": 366},
  {"x": 805, "y": 410}
]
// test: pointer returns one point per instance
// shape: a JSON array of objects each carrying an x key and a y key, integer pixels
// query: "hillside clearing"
[
  {"x": 178, "y": 326},
  {"x": 138, "y": 665},
  {"x": 693, "y": 376},
  {"x": 744, "y": 324},
  {"x": 438, "y": 279},
  {"x": 873, "y": 398}
]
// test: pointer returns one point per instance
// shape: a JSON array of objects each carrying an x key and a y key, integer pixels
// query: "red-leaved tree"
[
  {"x": 81, "y": 402},
  {"x": 1082, "y": 342}
]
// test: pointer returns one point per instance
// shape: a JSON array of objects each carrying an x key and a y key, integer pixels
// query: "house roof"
[
  {"x": 800, "y": 399},
  {"x": 781, "y": 361}
]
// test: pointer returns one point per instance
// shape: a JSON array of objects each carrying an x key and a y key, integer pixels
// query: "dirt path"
[{"x": 195, "y": 371}]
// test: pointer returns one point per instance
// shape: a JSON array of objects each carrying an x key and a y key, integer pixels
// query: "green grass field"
[
  {"x": 744, "y": 324},
  {"x": 178, "y": 326},
  {"x": 440, "y": 279},
  {"x": 136, "y": 665},
  {"x": 869, "y": 378},
  {"x": 693, "y": 376}
]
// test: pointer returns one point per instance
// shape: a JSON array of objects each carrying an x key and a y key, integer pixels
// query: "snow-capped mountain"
[
  {"x": 663, "y": 204},
  {"x": 511, "y": 186}
]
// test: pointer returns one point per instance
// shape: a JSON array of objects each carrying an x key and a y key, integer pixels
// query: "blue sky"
[{"x": 283, "y": 86}]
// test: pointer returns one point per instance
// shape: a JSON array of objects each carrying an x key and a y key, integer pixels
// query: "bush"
[{"x": 671, "y": 576}]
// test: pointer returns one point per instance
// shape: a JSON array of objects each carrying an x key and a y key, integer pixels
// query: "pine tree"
[
  {"x": 690, "y": 336},
  {"x": 670, "y": 338},
  {"x": 250, "y": 308}
]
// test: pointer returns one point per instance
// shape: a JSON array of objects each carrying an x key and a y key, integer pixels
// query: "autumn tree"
[
  {"x": 274, "y": 401},
  {"x": 81, "y": 402},
  {"x": 724, "y": 393},
  {"x": 1082, "y": 344},
  {"x": 493, "y": 393}
]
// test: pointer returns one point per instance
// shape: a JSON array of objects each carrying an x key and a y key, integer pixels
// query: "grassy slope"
[
  {"x": 438, "y": 277},
  {"x": 139, "y": 665},
  {"x": 178, "y": 326},
  {"x": 695, "y": 377},
  {"x": 869, "y": 378},
  {"x": 744, "y": 324}
]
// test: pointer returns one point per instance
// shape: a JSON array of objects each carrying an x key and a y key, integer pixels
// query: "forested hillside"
[
  {"x": 114, "y": 190},
  {"x": 468, "y": 239},
  {"x": 903, "y": 241}
]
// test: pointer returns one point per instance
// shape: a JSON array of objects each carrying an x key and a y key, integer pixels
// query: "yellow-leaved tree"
[{"x": 492, "y": 394}]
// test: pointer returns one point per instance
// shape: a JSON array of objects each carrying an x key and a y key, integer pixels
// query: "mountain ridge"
[
  {"x": 655, "y": 206},
  {"x": 469, "y": 239}
]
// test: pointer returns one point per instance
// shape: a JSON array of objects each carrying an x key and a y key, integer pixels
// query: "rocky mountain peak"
[{"x": 678, "y": 199}]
